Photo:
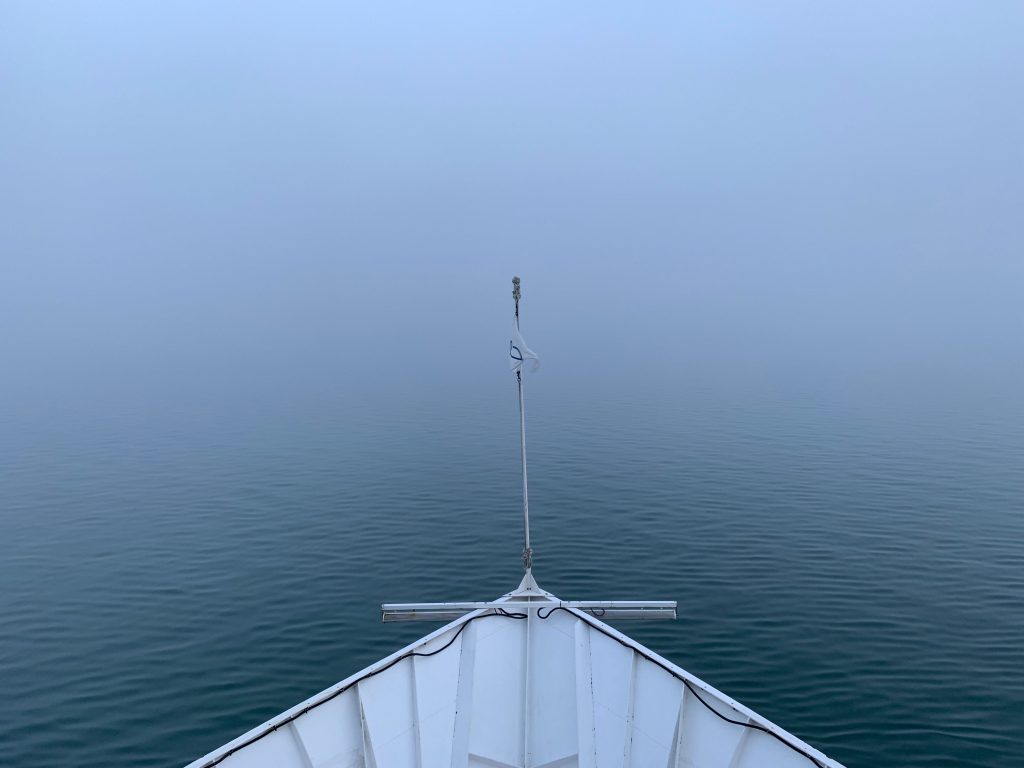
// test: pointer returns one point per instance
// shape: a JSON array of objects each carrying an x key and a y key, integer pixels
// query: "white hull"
[{"x": 557, "y": 688}]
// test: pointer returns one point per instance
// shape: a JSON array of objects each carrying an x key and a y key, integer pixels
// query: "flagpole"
[{"x": 527, "y": 550}]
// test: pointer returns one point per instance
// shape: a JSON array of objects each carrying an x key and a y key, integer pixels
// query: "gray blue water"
[{"x": 848, "y": 565}]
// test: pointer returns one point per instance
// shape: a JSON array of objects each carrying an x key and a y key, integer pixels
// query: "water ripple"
[{"x": 858, "y": 579}]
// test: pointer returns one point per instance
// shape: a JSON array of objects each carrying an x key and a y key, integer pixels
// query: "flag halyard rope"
[{"x": 518, "y": 360}]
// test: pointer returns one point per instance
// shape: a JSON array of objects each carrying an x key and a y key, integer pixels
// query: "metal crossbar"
[{"x": 611, "y": 609}]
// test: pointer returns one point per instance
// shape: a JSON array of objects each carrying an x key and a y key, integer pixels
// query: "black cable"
[
  {"x": 519, "y": 617},
  {"x": 367, "y": 676},
  {"x": 509, "y": 614},
  {"x": 745, "y": 724}
]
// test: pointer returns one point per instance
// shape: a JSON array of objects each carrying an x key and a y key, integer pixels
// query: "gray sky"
[{"x": 198, "y": 197}]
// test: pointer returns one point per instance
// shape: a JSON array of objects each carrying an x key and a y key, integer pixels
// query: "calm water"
[{"x": 850, "y": 566}]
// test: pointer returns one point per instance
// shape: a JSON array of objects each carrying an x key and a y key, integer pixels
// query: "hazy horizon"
[{"x": 202, "y": 199}]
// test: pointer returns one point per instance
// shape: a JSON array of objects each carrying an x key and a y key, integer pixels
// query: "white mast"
[
  {"x": 529, "y": 593},
  {"x": 527, "y": 550}
]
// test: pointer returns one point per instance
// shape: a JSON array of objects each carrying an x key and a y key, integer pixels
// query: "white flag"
[{"x": 518, "y": 351}]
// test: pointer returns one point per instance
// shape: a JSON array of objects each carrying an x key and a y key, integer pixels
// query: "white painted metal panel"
[
  {"x": 611, "y": 667},
  {"x": 464, "y": 698},
  {"x": 389, "y": 715},
  {"x": 437, "y": 683},
  {"x": 585, "y": 733},
  {"x": 761, "y": 749},
  {"x": 655, "y": 713},
  {"x": 497, "y": 728},
  {"x": 331, "y": 733},
  {"x": 276, "y": 748},
  {"x": 707, "y": 739},
  {"x": 552, "y": 710}
]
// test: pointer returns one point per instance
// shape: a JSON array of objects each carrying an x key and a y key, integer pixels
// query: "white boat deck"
[{"x": 537, "y": 688}]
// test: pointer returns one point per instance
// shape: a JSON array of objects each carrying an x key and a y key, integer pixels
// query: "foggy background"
[
  {"x": 255, "y": 302},
  {"x": 247, "y": 202}
]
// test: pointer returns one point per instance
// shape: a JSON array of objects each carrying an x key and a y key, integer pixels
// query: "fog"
[{"x": 213, "y": 201}]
